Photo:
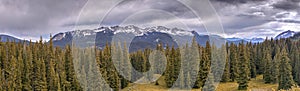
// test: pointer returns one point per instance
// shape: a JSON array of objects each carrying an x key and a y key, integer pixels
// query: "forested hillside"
[{"x": 39, "y": 66}]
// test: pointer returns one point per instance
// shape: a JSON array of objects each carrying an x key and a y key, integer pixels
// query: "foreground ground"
[{"x": 256, "y": 84}]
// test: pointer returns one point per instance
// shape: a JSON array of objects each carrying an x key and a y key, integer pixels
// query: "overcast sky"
[{"x": 29, "y": 19}]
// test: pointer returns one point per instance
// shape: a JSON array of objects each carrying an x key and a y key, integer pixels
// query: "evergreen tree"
[
  {"x": 297, "y": 69},
  {"x": 5, "y": 66},
  {"x": 285, "y": 69},
  {"x": 1, "y": 77},
  {"x": 226, "y": 73},
  {"x": 170, "y": 73},
  {"x": 28, "y": 71},
  {"x": 125, "y": 67},
  {"x": 259, "y": 56},
  {"x": 203, "y": 69},
  {"x": 19, "y": 68},
  {"x": 70, "y": 71},
  {"x": 1, "y": 80},
  {"x": 253, "y": 59},
  {"x": 210, "y": 84},
  {"x": 274, "y": 66},
  {"x": 242, "y": 68},
  {"x": 43, "y": 80},
  {"x": 36, "y": 69},
  {"x": 52, "y": 80},
  {"x": 268, "y": 70},
  {"x": 10, "y": 80},
  {"x": 158, "y": 60},
  {"x": 294, "y": 56},
  {"x": 233, "y": 62}
]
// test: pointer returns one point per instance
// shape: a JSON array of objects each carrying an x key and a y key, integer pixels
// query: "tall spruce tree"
[
  {"x": 294, "y": 56},
  {"x": 209, "y": 84},
  {"x": 226, "y": 73},
  {"x": 28, "y": 71},
  {"x": 69, "y": 70},
  {"x": 233, "y": 62},
  {"x": 267, "y": 73},
  {"x": 297, "y": 68},
  {"x": 253, "y": 59},
  {"x": 274, "y": 66},
  {"x": 203, "y": 69},
  {"x": 125, "y": 66},
  {"x": 52, "y": 80},
  {"x": 285, "y": 76},
  {"x": 243, "y": 68}
]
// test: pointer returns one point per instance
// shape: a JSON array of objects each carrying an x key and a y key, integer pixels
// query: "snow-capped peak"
[
  {"x": 126, "y": 29},
  {"x": 286, "y": 34}
]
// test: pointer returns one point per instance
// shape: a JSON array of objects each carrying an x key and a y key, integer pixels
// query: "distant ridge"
[{"x": 5, "y": 38}]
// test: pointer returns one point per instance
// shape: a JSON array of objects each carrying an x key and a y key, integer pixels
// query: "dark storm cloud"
[
  {"x": 36, "y": 15},
  {"x": 238, "y": 1},
  {"x": 40, "y": 17},
  {"x": 287, "y": 5},
  {"x": 130, "y": 7},
  {"x": 289, "y": 21}
]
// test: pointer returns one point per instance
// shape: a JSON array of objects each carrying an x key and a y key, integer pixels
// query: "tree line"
[{"x": 40, "y": 66}]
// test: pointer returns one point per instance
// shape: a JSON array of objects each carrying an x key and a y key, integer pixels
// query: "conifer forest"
[{"x": 40, "y": 66}]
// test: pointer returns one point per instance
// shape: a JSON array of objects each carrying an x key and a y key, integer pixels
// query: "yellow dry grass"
[{"x": 256, "y": 84}]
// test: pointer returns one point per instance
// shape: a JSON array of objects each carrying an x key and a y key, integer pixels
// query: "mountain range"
[{"x": 140, "y": 38}]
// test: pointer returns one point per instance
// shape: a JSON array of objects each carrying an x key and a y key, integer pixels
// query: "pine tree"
[
  {"x": 36, "y": 69},
  {"x": 126, "y": 66},
  {"x": 70, "y": 71},
  {"x": 191, "y": 62},
  {"x": 285, "y": 69},
  {"x": 2, "y": 53},
  {"x": 60, "y": 69},
  {"x": 233, "y": 61},
  {"x": 253, "y": 59},
  {"x": 248, "y": 55},
  {"x": 158, "y": 61},
  {"x": 27, "y": 72},
  {"x": 198, "y": 82},
  {"x": 294, "y": 55},
  {"x": 18, "y": 71},
  {"x": 242, "y": 68},
  {"x": 210, "y": 84},
  {"x": 268, "y": 70},
  {"x": 12, "y": 75},
  {"x": 259, "y": 56},
  {"x": 274, "y": 66},
  {"x": 43, "y": 80},
  {"x": 113, "y": 76},
  {"x": 182, "y": 84},
  {"x": 52, "y": 80},
  {"x": 5, "y": 66},
  {"x": 1, "y": 80},
  {"x": 170, "y": 69},
  {"x": 226, "y": 73},
  {"x": 203, "y": 69},
  {"x": 297, "y": 68}
]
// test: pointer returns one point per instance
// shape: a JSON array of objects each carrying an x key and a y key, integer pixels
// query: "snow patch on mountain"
[
  {"x": 58, "y": 36},
  {"x": 286, "y": 34},
  {"x": 257, "y": 40},
  {"x": 126, "y": 29}
]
